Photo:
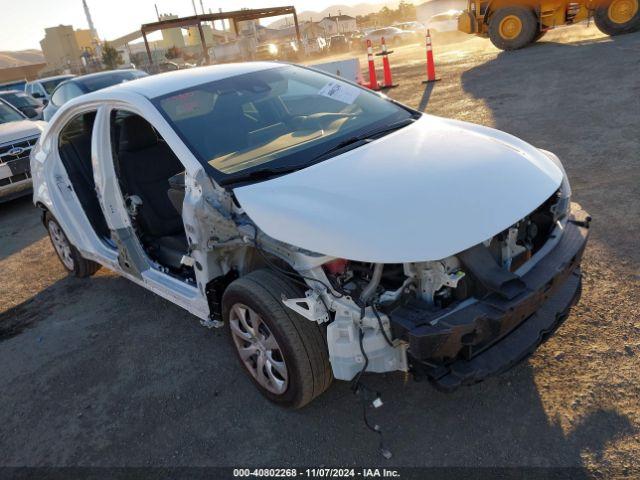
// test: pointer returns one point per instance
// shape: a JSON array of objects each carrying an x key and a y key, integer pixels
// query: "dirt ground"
[{"x": 101, "y": 372}]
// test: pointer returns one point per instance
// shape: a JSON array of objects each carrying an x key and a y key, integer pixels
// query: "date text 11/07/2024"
[{"x": 316, "y": 473}]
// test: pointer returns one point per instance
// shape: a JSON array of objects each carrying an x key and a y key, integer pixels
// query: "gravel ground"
[{"x": 101, "y": 372}]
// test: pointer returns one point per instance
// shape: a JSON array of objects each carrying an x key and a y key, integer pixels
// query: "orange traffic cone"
[
  {"x": 388, "y": 80},
  {"x": 373, "y": 80},
  {"x": 431, "y": 66}
]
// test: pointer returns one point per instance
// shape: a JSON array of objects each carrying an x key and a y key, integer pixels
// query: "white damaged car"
[{"x": 332, "y": 230}]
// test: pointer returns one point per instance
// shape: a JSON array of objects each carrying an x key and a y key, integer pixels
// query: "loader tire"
[
  {"x": 618, "y": 17},
  {"x": 511, "y": 28}
]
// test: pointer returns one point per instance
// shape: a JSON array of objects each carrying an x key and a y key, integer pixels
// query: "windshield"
[
  {"x": 8, "y": 114},
  {"x": 283, "y": 117},
  {"x": 91, "y": 84},
  {"x": 50, "y": 85}
]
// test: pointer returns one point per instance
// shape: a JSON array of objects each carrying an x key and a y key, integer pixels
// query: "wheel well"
[{"x": 43, "y": 210}]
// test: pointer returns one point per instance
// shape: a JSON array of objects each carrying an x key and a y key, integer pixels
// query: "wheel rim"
[
  {"x": 510, "y": 27},
  {"x": 61, "y": 245},
  {"x": 258, "y": 349},
  {"x": 622, "y": 11}
]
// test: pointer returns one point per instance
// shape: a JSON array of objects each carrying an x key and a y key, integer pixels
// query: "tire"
[
  {"x": 618, "y": 17},
  {"x": 68, "y": 255},
  {"x": 301, "y": 344},
  {"x": 511, "y": 28}
]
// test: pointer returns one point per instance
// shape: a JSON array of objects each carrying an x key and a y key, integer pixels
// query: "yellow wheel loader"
[{"x": 513, "y": 24}]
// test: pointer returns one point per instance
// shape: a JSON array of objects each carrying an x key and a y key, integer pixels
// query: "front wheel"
[
  {"x": 618, "y": 17},
  {"x": 511, "y": 28},
  {"x": 284, "y": 354},
  {"x": 69, "y": 256}
]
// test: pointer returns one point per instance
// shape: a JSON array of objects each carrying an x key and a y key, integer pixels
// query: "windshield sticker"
[{"x": 341, "y": 92}]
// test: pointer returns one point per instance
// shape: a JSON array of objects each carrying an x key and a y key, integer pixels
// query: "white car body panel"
[
  {"x": 425, "y": 192},
  {"x": 53, "y": 188}
]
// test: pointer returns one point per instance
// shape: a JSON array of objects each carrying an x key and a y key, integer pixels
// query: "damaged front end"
[{"x": 459, "y": 319}]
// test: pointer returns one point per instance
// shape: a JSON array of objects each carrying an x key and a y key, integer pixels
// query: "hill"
[
  {"x": 23, "y": 57},
  {"x": 352, "y": 10}
]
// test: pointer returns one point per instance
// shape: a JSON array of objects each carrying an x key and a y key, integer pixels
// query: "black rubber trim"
[{"x": 479, "y": 261}]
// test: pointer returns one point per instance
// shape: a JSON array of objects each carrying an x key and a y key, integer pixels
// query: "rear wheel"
[
  {"x": 284, "y": 354},
  {"x": 69, "y": 256},
  {"x": 511, "y": 28},
  {"x": 618, "y": 17}
]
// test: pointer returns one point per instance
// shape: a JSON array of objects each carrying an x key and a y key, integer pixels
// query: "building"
[
  {"x": 85, "y": 40},
  {"x": 193, "y": 36},
  {"x": 171, "y": 37},
  {"x": 339, "y": 24},
  {"x": 60, "y": 48}
]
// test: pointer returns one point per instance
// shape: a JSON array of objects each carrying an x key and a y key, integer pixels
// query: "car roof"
[{"x": 165, "y": 83}]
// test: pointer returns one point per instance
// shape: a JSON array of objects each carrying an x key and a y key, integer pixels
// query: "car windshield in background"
[
  {"x": 8, "y": 114},
  {"x": 274, "y": 119},
  {"x": 91, "y": 84},
  {"x": 20, "y": 100},
  {"x": 50, "y": 85}
]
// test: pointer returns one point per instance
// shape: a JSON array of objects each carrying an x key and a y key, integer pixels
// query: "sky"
[{"x": 22, "y": 22}]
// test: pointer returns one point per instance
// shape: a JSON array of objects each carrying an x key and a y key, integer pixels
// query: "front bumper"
[{"x": 465, "y": 344}]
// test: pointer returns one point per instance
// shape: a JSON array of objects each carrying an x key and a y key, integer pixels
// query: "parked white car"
[
  {"x": 332, "y": 230},
  {"x": 392, "y": 36},
  {"x": 43, "y": 88},
  {"x": 444, "y": 22},
  {"x": 18, "y": 135}
]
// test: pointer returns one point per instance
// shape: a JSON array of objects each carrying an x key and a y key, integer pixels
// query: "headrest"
[{"x": 136, "y": 133}]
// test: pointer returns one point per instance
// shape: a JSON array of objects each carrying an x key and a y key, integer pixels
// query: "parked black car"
[{"x": 77, "y": 86}]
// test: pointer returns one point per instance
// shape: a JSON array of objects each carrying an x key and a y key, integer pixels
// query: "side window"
[
  {"x": 80, "y": 125},
  {"x": 28, "y": 89}
]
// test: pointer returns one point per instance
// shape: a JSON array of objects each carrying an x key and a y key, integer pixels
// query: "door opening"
[
  {"x": 151, "y": 179},
  {"x": 74, "y": 147}
]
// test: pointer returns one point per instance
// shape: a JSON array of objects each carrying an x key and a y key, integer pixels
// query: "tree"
[{"x": 111, "y": 57}]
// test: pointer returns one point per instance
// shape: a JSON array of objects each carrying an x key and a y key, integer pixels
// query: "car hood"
[
  {"x": 17, "y": 130},
  {"x": 424, "y": 192}
]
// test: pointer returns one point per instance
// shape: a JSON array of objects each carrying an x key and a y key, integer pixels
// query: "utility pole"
[{"x": 92, "y": 29}]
